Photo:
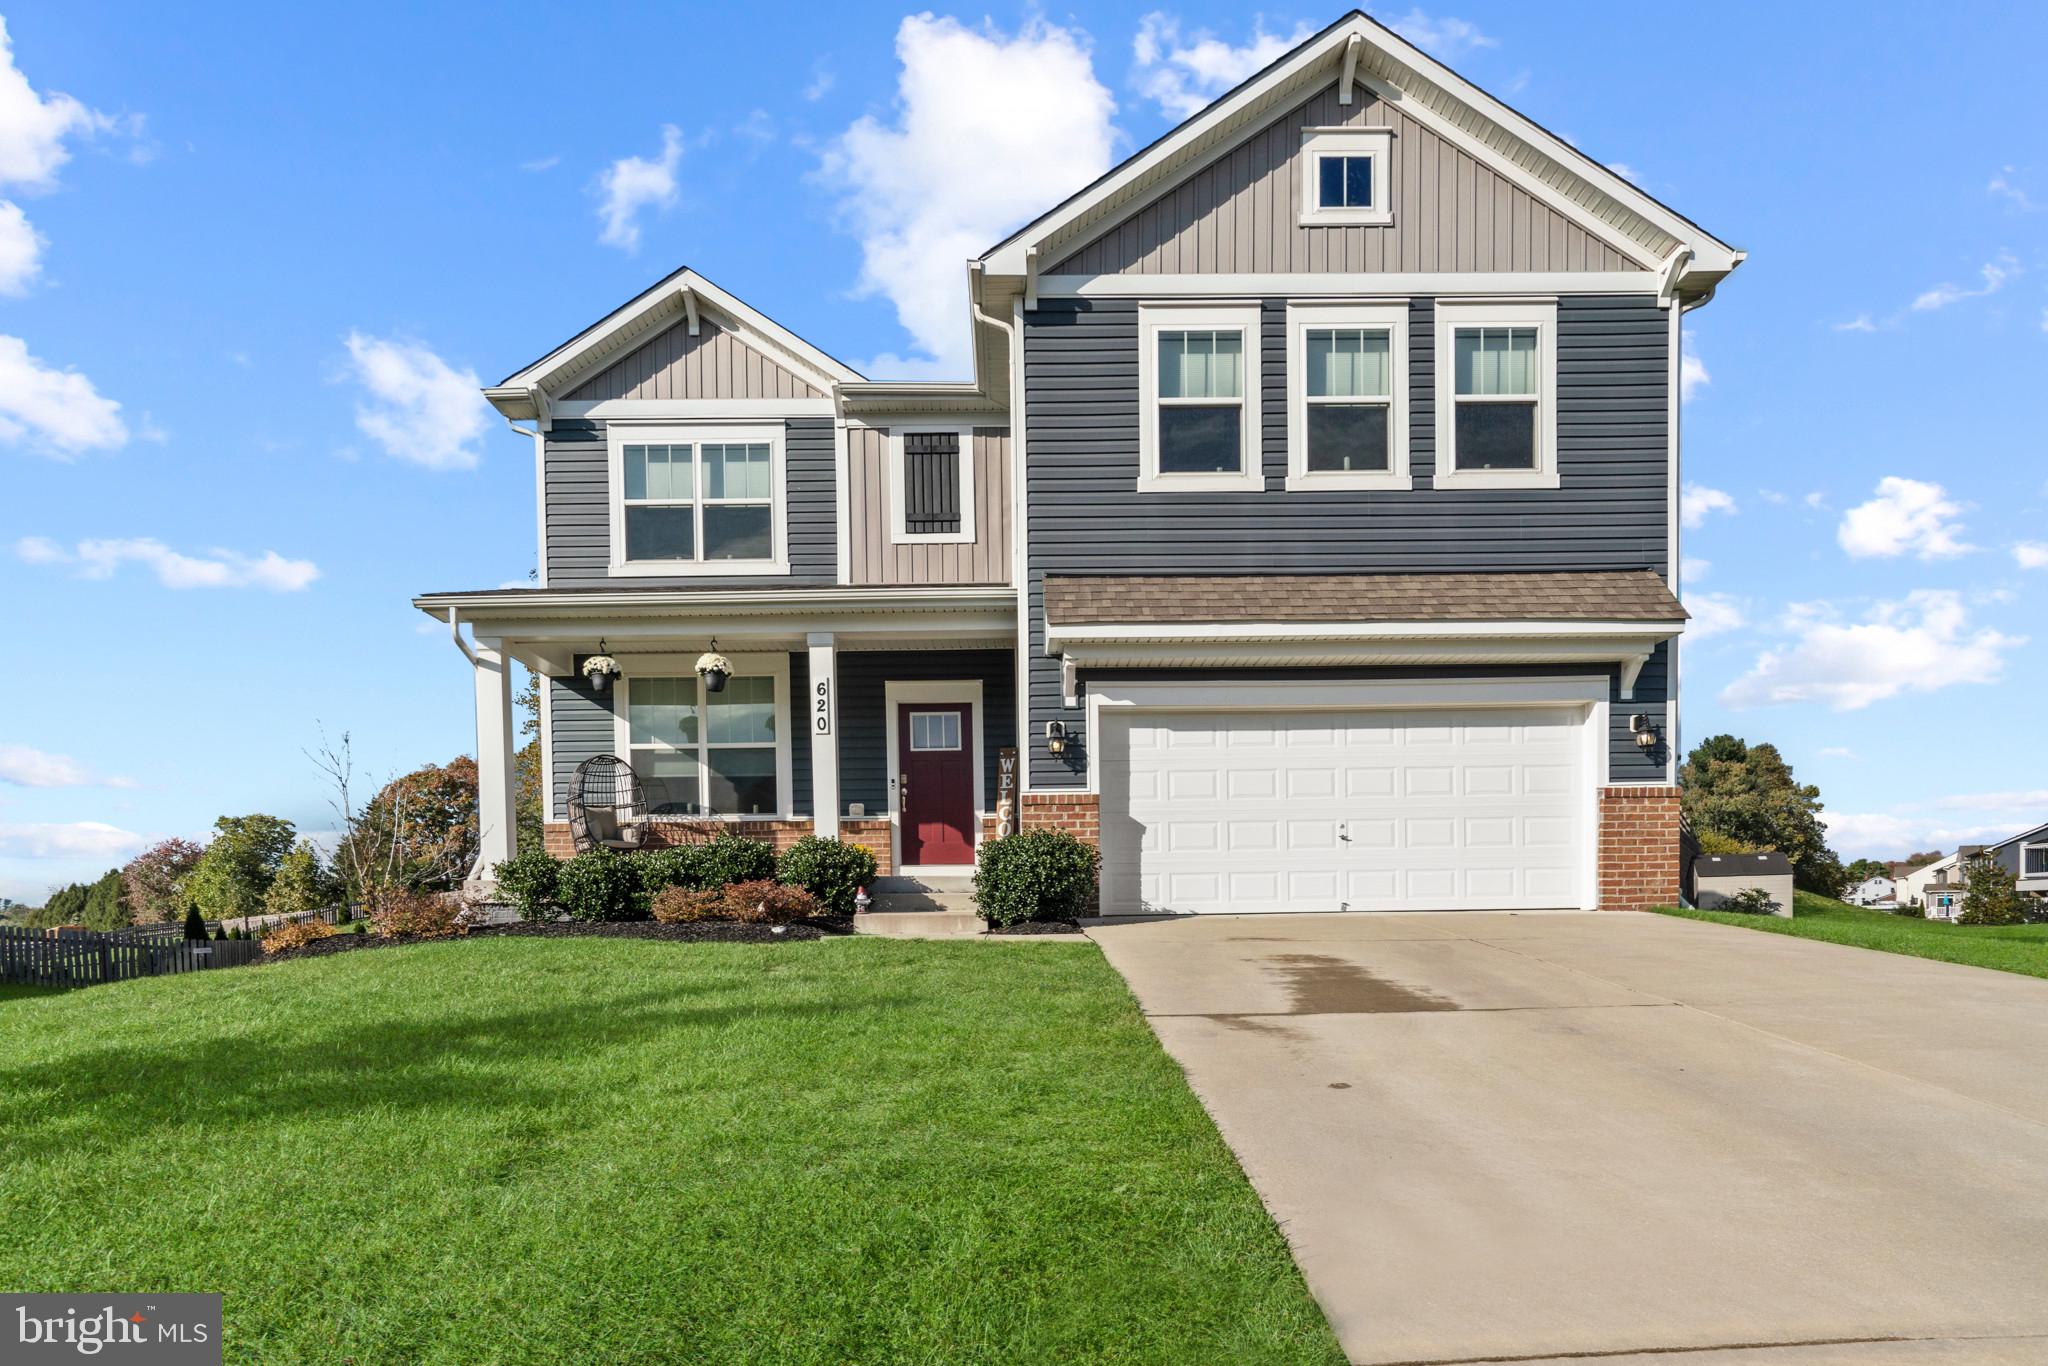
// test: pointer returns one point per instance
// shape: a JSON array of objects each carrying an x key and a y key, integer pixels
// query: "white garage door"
[{"x": 1468, "y": 809}]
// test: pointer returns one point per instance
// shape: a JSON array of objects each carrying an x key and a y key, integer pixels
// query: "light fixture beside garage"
[
  {"x": 1644, "y": 730},
  {"x": 1055, "y": 737}
]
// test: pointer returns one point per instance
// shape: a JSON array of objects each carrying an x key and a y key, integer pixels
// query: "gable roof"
[
  {"x": 661, "y": 305},
  {"x": 2022, "y": 835},
  {"x": 1519, "y": 148}
]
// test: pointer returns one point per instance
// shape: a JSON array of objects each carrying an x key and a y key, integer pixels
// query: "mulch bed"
[
  {"x": 697, "y": 932},
  {"x": 1038, "y": 927}
]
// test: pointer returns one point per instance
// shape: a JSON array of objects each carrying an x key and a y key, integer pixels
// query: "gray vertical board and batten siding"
[
  {"x": 583, "y": 728},
  {"x": 578, "y": 484},
  {"x": 873, "y": 558},
  {"x": 1611, "y": 512},
  {"x": 673, "y": 364}
]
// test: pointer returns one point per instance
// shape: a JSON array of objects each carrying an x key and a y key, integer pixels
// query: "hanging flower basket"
[
  {"x": 600, "y": 670},
  {"x": 714, "y": 668}
]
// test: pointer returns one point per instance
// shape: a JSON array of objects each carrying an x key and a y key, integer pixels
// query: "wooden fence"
[{"x": 78, "y": 958}]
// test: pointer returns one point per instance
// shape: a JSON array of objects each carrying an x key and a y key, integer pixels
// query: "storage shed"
[{"x": 1718, "y": 877}]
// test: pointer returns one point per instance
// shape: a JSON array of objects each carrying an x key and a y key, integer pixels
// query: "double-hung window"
[
  {"x": 2034, "y": 860},
  {"x": 1496, "y": 409},
  {"x": 703, "y": 753},
  {"x": 697, "y": 500},
  {"x": 1347, "y": 387},
  {"x": 1344, "y": 175},
  {"x": 1198, "y": 377},
  {"x": 931, "y": 485}
]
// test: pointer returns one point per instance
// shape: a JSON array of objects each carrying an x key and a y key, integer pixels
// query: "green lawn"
[
  {"x": 24, "y": 991},
  {"x": 2009, "y": 948},
  {"x": 606, "y": 1150}
]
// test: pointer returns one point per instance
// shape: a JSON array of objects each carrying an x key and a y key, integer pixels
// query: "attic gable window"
[{"x": 1346, "y": 177}]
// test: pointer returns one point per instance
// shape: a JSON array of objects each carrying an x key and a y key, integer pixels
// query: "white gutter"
[{"x": 455, "y": 634}]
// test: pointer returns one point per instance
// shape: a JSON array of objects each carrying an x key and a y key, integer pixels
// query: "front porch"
[{"x": 873, "y": 716}]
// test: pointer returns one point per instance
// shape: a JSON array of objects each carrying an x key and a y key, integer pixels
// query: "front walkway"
[{"x": 1495, "y": 1136}]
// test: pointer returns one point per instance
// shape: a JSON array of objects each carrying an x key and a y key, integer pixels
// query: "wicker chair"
[{"x": 607, "y": 809}]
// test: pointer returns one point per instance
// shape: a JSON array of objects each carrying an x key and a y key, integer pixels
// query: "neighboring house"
[
  {"x": 1308, "y": 528},
  {"x": 1913, "y": 886},
  {"x": 1873, "y": 891},
  {"x": 1940, "y": 886}
]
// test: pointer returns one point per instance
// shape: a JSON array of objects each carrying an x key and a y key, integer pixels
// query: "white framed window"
[
  {"x": 931, "y": 485},
  {"x": 695, "y": 500},
  {"x": 1347, "y": 395},
  {"x": 1496, "y": 394},
  {"x": 1345, "y": 178},
  {"x": 700, "y": 753},
  {"x": 1198, "y": 388},
  {"x": 934, "y": 730},
  {"x": 2034, "y": 860}
]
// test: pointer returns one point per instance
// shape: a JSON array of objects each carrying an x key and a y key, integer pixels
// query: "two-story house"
[{"x": 1308, "y": 529}]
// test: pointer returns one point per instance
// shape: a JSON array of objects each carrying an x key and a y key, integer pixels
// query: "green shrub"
[
  {"x": 734, "y": 858},
  {"x": 195, "y": 923},
  {"x": 830, "y": 871},
  {"x": 528, "y": 881},
  {"x": 1751, "y": 901},
  {"x": 680, "y": 865},
  {"x": 601, "y": 885},
  {"x": 1035, "y": 875}
]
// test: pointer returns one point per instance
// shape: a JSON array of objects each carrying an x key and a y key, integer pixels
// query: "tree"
[
  {"x": 1863, "y": 869},
  {"x": 526, "y": 767},
  {"x": 195, "y": 924},
  {"x": 301, "y": 884},
  {"x": 97, "y": 905},
  {"x": 1992, "y": 895},
  {"x": 235, "y": 872},
  {"x": 156, "y": 880},
  {"x": 1747, "y": 793}
]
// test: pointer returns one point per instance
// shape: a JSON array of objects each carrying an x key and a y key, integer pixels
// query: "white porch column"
[
  {"x": 822, "y": 710},
  {"x": 496, "y": 812}
]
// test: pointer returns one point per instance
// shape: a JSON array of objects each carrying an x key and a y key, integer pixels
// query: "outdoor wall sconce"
[
  {"x": 600, "y": 668},
  {"x": 1055, "y": 737},
  {"x": 1646, "y": 733},
  {"x": 714, "y": 668}
]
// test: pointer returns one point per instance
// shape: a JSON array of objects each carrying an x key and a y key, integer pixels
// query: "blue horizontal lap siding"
[
  {"x": 577, "y": 485},
  {"x": 864, "y": 728},
  {"x": 1082, "y": 415},
  {"x": 582, "y": 721}
]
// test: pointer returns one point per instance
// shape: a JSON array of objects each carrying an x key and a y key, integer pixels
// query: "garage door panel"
[{"x": 1382, "y": 810}]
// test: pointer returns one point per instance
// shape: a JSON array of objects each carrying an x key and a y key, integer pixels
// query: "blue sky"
[{"x": 252, "y": 256}]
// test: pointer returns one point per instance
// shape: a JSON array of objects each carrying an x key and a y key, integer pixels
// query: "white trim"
[
  {"x": 1302, "y": 317},
  {"x": 842, "y": 499},
  {"x": 1376, "y": 143},
  {"x": 619, "y": 435},
  {"x": 966, "y": 690},
  {"x": 823, "y": 661},
  {"x": 547, "y": 747},
  {"x": 1585, "y": 694},
  {"x": 775, "y": 666},
  {"x": 1207, "y": 632},
  {"x": 898, "y": 535},
  {"x": 1546, "y": 284},
  {"x": 1020, "y": 553},
  {"x": 691, "y": 409},
  {"x": 1674, "y": 370},
  {"x": 1453, "y": 315},
  {"x": 1154, "y": 318},
  {"x": 540, "y": 501}
]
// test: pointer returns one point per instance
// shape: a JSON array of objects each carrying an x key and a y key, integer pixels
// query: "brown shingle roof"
[{"x": 1626, "y": 595}]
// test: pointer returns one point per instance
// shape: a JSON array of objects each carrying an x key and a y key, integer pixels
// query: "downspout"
[{"x": 1019, "y": 529}]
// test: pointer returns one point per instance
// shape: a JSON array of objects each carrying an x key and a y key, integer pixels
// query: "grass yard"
[
  {"x": 2008, "y": 948},
  {"x": 608, "y": 1150},
  {"x": 25, "y": 991}
]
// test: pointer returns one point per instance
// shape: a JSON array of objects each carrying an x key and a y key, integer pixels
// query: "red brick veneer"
[
  {"x": 556, "y": 840},
  {"x": 1638, "y": 848},
  {"x": 1074, "y": 812}
]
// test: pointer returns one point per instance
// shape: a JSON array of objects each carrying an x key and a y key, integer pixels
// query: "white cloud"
[
  {"x": 22, "y": 766},
  {"x": 1443, "y": 37},
  {"x": 1838, "y": 752},
  {"x": 1182, "y": 74},
  {"x": 53, "y": 412},
  {"x": 539, "y": 164},
  {"x": 1696, "y": 502},
  {"x": 1713, "y": 614},
  {"x": 1771, "y": 496},
  {"x": 820, "y": 84},
  {"x": 2031, "y": 554},
  {"x": 1624, "y": 170},
  {"x": 989, "y": 129},
  {"x": 33, "y": 127},
  {"x": 1860, "y": 323},
  {"x": 1815, "y": 499},
  {"x": 79, "y": 839},
  {"x": 1920, "y": 644},
  {"x": 21, "y": 248},
  {"x": 1692, "y": 569},
  {"x": 2003, "y": 186},
  {"x": 101, "y": 559},
  {"x": 631, "y": 184},
  {"x": 1995, "y": 273},
  {"x": 1941, "y": 823},
  {"x": 1906, "y": 516},
  {"x": 422, "y": 409},
  {"x": 1692, "y": 371}
]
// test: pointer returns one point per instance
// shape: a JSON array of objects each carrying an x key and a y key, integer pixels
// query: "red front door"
[{"x": 935, "y": 783}]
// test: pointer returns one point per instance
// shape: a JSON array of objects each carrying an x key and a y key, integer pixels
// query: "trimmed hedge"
[
  {"x": 602, "y": 884},
  {"x": 734, "y": 858},
  {"x": 528, "y": 881},
  {"x": 1035, "y": 875},
  {"x": 830, "y": 871}
]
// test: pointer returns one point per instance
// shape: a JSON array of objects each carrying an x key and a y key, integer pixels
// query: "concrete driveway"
[{"x": 1512, "y": 1137}]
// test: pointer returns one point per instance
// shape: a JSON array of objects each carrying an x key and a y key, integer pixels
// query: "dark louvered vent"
[{"x": 931, "y": 483}]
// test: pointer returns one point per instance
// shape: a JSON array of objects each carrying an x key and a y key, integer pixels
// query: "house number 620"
[{"x": 821, "y": 706}]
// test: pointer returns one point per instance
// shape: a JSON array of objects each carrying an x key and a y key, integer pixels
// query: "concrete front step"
[
  {"x": 920, "y": 924},
  {"x": 891, "y": 885},
  {"x": 922, "y": 901}
]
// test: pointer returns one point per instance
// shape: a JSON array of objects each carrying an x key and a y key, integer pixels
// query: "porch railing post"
[
  {"x": 497, "y": 814},
  {"x": 822, "y": 711}
]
